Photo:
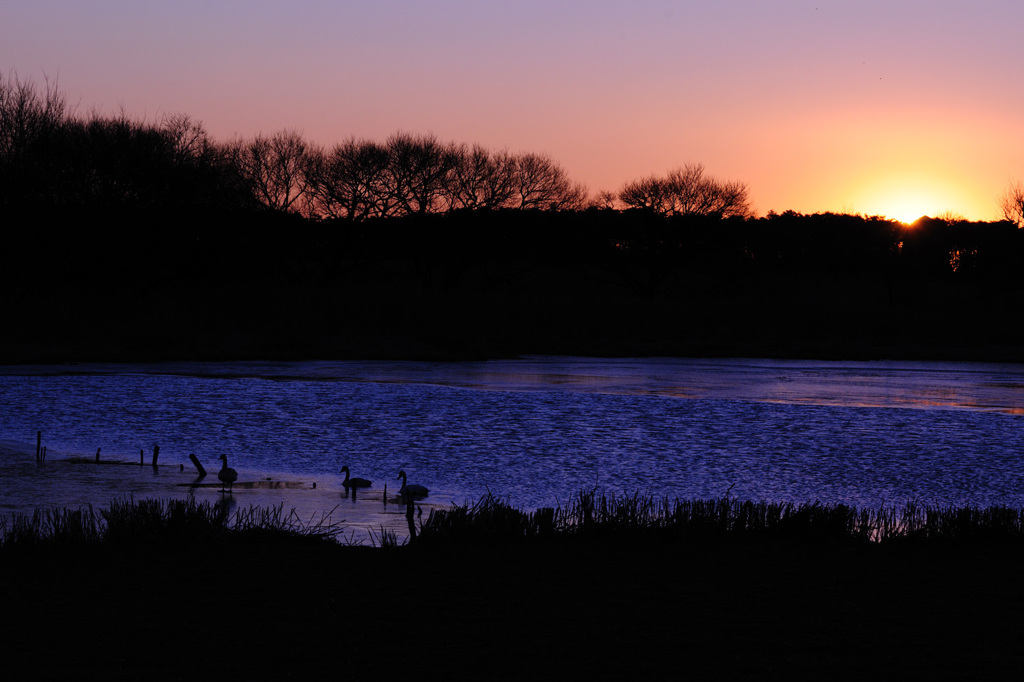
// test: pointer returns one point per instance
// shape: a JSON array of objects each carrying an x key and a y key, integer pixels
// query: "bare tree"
[
  {"x": 418, "y": 172},
  {"x": 540, "y": 183},
  {"x": 604, "y": 199},
  {"x": 189, "y": 139},
  {"x": 688, "y": 191},
  {"x": 275, "y": 168},
  {"x": 407, "y": 174},
  {"x": 349, "y": 181},
  {"x": 647, "y": 193},
  {"x": 26, "y": 114},
  {"x": 206, "y": 169},
  {"x": 951, "y": 217},
  {"x": 480, "y": 179},
  {"x": 1012, "y": 204}
]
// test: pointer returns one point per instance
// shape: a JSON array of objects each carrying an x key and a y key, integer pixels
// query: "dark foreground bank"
[
  {"x": 256, "y": 611},
  {"x": 174, "y": 595}
]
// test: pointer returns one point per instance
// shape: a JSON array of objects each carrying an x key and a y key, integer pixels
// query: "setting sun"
[
  {"x": 906, "y": 199},
  {"x": 905, "y": 209}
]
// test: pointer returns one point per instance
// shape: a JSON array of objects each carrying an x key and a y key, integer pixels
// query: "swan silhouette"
[
  {"x": 410, "y": 491},
  {"x": 354, "y": 482},
  {"x": 227, "y": 475}
]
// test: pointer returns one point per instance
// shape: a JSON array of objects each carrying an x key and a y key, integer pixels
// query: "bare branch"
[
  {"x": 1012, "y": 204},
  {"x": 688, "y": 191}
]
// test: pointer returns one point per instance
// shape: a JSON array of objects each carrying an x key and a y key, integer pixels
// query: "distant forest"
[{"x": 127, "y": 240}]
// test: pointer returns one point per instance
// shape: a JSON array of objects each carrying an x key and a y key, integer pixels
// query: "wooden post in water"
[
  {"x": 142, "y": 456},
  {"x": 39, "y": 442},
  {"x": 199, "y": 467},
  {"x": 156, "y": 453},
  {"x": 409, "y": 517},
  {"x": 98, "y": 455}
]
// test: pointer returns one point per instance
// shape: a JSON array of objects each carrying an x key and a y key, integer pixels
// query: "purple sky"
[{"x": 897, "y": 107}]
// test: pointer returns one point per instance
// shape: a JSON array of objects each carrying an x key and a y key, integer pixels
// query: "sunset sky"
[{"x": 890, "y": 107}]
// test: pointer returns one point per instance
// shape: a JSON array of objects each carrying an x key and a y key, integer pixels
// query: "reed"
[
  {"x": 152, "y": 520},
  {"x": 490, "y": 520},
  {"x": 130, "y": 521},
  {"x": 988, "y": 525},
  {"x": 589, "y": 516},
  {"x": 386, "y": 539},
  {"x": 55, "y": 526},
  {"x": 273, "y": 523}
]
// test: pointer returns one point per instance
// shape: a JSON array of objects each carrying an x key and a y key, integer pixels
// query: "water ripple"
[{"x": 537, "y": 430}]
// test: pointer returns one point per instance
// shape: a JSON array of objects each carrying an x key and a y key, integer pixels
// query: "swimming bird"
[
  {"x": 413, "y": 491},
  {"x": 227, "y": 475},
  {"x": 354, "y": 482}
]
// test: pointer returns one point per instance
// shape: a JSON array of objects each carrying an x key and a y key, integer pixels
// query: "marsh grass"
[
  {"x": 387, "y": 539},
  {"x": 255, "y": 522},
  {"x": 488, "y": 520},
  {"x": 589, "y": 516},
  {"x": 129, "y": 521},
  {"x": 56, "y": 526},
  {"x": 976, "y": 525}
]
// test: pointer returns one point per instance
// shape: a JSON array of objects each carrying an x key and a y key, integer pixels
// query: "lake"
[{"x": 533, "y": 431}]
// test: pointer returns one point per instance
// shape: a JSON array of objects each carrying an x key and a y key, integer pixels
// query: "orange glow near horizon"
[
  {"x": 897, "y": 109},
  {"x": 907, "y": 198},
  {"x": 900, "y": 164}
]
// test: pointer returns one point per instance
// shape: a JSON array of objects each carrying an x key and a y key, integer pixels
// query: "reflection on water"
[{"x": 533, "y": 431}]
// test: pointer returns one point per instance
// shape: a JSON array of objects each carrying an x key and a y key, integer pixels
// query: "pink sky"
[{"x": 896, "y": 107}]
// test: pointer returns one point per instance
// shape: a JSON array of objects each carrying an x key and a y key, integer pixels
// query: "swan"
[
  {"x": 227, "y": 475},
  {"x": 354, "y": 482},
  {"x": 413, "y": 490}
]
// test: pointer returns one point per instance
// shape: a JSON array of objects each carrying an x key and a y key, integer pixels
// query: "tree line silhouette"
[
  {"x": 52, "y": 157},
  {"x": 133, "y": 240}
]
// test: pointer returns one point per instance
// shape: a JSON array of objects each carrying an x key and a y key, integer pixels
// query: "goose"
[
  {"x": 413, "y": 490},
  {"x": 227, "y": 475},
  {"x": 354, "y": 482}
]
